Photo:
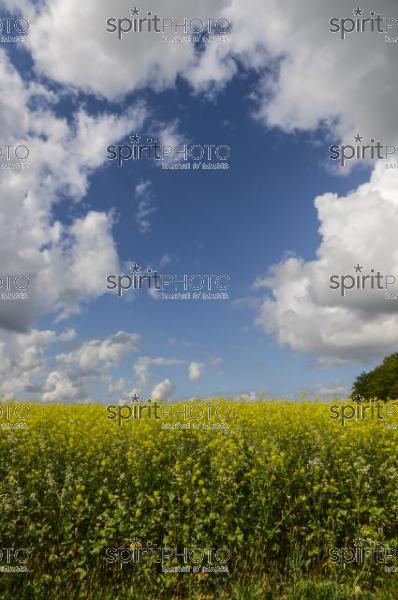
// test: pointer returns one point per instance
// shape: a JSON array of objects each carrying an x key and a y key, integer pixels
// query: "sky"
[{"x": 276, "y": 219}]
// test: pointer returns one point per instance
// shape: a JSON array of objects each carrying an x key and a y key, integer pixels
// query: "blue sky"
[{"x": 240, "y": 222}]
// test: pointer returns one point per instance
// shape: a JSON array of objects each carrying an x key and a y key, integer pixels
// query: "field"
[{"x": 272, "y": 494}]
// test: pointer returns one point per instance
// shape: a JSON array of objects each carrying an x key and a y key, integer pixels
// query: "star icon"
[
  {"x": 135, "y": 139},
  {"x": 358, "y": 138},
  {"x": 358, "y": 268},
  {"x": 357, "y": 398},
  {"x": 134, "y": 398},
  {"x": 358, "y": 11},
  {"x": 135, "y": 268},
  {"x": 135, "y": 11}
]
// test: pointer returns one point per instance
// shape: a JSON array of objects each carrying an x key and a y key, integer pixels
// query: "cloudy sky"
[{"x": 278, "y": 88}]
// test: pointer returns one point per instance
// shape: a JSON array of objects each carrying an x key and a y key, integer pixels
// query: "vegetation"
[
  {"x": 280, "y": 488},
  {"x": 381, "y": 382}
]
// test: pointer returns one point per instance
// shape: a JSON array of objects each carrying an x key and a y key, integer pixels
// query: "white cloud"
[
  {"x": 25, "y": 368},
  {"x": 332, "y": 390},
  {"x": 304, "y": 313},
  {"x": 117, "y": 387},
  {"x": 66, "y": 263},
  {"x": 102, "y": 353},
  {"x": 128, "y": 394},
  {"x": 67, "y": 336},
  {"x": 165, "y": 260},
  {"x": 163, "y": 390},
  {"x": 144, "y": 363},
  {"x": 66, "y": 43},
  {"x": 22, "y": 360},
  {"x": 195, "y": 370},
  {"x": 154, "y": 293},
  {"x": 59, "y": 387},
  {"x": 145, "y": 209},
  {"x": 215, "y": 361},
  {"x": 323, "y": 79},
  {"x": 307, "y": 75}
]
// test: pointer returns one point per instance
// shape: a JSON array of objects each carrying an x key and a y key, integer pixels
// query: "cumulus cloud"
[
  {"x": 26, "y": 368},
  {"x": 66, "y": 263},
  {"x": 307, "y": 75},
  {"x": 305, "y": 313},
  {"x": 58, "y": 387},
  {"x": 65, "y": 43},
  {"x": 117, "y": 387},
  {"x": 291, "y": 48},
  {"x": 195, "y": 370},
  {"x": 144, "y": 363},
  {"x": 102, "y": 353},
  {"x": 22, "y": 359},
  {"x": 163, "y": 391},
  {"x": 307, "y": 78},
  {"x": 320, "y": 79}
]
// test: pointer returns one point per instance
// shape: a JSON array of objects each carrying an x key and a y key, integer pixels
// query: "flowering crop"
[{"x": 278, "y": 487}]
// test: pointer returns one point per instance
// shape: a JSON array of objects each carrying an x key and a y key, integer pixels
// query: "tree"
[{"x": 381, "y": 383}]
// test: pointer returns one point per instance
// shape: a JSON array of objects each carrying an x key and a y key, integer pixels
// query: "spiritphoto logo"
[
  {"x": 188, "y": 415},
  {"x": 14, "y": 416},
  {"x": 14, "y": 287},
  {"x": 363, "y": 409},
  {"x": 13, "y": 29},
  {"x": 374, "y": 150},
  {"x": 15, "y": 560},
  {"x": 171, "y": 287},
  {"x": 363, "y": 23},
  {"x": 182, "y": 157},
  {"x": 364, "y": 282},
  {"x": 141, "y": 21},
  {"x": 14, "y": 157},
  {"x": 363, "y": 551},
  {"x": 169, "y": 559}
]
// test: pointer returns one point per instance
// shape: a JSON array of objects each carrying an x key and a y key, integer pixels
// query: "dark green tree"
[{"x": 381, "y": 382}]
